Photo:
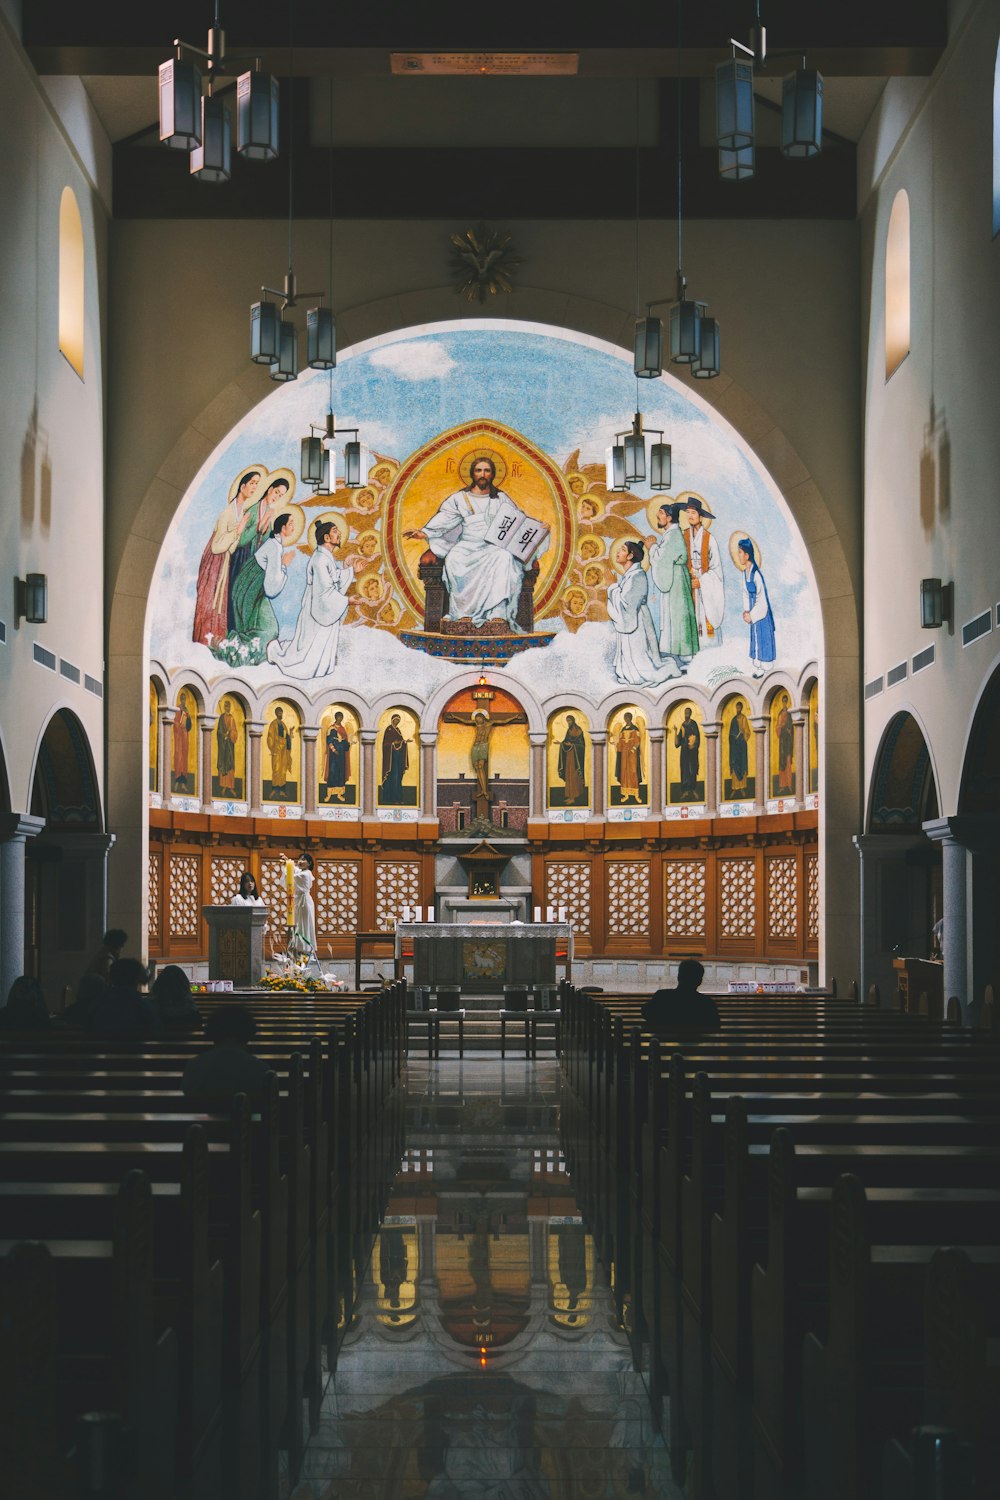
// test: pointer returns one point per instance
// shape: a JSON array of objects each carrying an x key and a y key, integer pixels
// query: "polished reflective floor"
[{"x": 485, "y": 1361}]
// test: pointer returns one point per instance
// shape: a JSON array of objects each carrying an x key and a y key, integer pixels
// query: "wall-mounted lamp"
[
  {"x": 935, "y": 603},
  {"x": 32, "y": 599}
]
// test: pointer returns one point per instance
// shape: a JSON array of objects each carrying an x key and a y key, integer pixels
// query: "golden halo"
[
  {"x": 684, "y": 497},
  {"x": 288, "y": 475},
  {"x": 363, "y": 496},
  {"x": 298, "y": 517},
  {"x": 361, "y": 585},
  {"x": 360, "y": 540},
  {"x": 326, "y": 515},
  {"x": 259, "y": 469},
  {"x": 591, "y": 499},
  {"x": 655, "y": 506},
  {"x": 590, "y": 537},
  {"x": 468, "y": 460},
  {"x": 735, "y": 539}
]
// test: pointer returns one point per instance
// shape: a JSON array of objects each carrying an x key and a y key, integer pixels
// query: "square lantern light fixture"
[
  {"x": 321, "y": 338},
  {"x": 707, "y": 365},
  {"x": 257, "y": 97},
  {"x": 802, "y": 113},
  {"x": 648, "y": 362},
  {"x": 202, "y": 126},
  {"x": 265, "y": 332},
  {"x": 32, "y": 601},
  {"x": 935, "y": 603},
  {"x": 211, "y": 161},
  {"x": 626, "y": 459},
  {"x": 286, "y": 366}
]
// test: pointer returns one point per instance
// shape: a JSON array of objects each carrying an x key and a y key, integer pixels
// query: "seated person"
[
  {"x": 110, "y": 950},
  {"x": 682, "y": 1009},
  {"x": 228, "y": 1068},
  {"x": 81, "y": 1012},
  {"x": 25, "y": 1009},
  {"x": 171, "y": 994},
  {"x": 122, "y": 1010}
]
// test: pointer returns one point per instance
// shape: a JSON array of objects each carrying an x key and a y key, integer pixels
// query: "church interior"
[{"x": 445, "y": 607}]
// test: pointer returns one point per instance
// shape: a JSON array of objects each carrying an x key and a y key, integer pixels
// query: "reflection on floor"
[{"x": 485, "y": 1362}]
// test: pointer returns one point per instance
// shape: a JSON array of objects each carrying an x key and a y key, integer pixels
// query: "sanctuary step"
[{"x": 482, "y": 1029}]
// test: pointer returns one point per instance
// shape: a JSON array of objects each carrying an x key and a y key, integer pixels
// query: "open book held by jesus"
[{"x": 515, "y": 532}]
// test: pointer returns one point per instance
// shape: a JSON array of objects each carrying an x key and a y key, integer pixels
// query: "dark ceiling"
[{"x": 856, "y": 44}]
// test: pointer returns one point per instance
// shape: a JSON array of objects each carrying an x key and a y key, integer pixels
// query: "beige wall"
[
  {"x": 51, "y": 429},
  {"x": 932, "y": 438},
  {"x": 786, "y": 295}
]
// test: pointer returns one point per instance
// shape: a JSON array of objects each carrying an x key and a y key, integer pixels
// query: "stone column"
[
  {"x": 599, "y": 740},
  {"x": 309, "y": 738},
  {"x": 538, "y": 740},
  {"x": 956, "y": 869},
  {"x": 428, "y": 772},
  {"x": 206, "y": 723},
  {"x": 711, "y": 733},
  {"x": 256, "y": 787},
  {"x": 890, "y": 899},
  {"x": 15, "y": 831},
  {"x": 368, "y": 737},
  {"x": 800, "y": 718},
  {"x": 761, "y": 761},
  {"x": 166, "y": 748},
  {"x": 656, "y": 741}
]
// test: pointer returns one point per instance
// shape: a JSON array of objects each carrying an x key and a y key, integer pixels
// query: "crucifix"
[{"x": 482, "y": 725}]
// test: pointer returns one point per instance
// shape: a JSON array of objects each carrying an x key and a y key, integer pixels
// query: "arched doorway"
[
  {"x": 65, "y": 865},
  {"x": 901, "y": 882}
]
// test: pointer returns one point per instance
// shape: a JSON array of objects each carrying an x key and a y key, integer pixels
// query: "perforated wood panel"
[
  {"x": 812, "y": 898},
  {"x": 338, "y": 896},
  {"x": 567, "y": 883},
  {"x": 782, "y": 896},
  {"x": 185, "y": 906},
  {"x": 397, "y": 884},
  {"x": 275, "y": 898},
  {"x": 737, "y": 898},
  {"x": 685, "y": 886},
  {"x": 224, "y": 878},
  {"x": 154, "y": 897},
  {"x": 628, "y": 898}
]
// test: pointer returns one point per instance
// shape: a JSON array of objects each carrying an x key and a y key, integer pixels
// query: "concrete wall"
[
  {"x": 932, "y": 439},
  {"x": 51, "y": 429},
  {"x": 786, "y": 295}
]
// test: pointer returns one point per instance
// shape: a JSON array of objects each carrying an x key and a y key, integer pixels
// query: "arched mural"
[
  {"x": 492, "y": 538},
  {"x": 229, "y": 751}
]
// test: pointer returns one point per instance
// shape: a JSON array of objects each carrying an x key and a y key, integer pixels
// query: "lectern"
[{"x": 236, "y": 942}]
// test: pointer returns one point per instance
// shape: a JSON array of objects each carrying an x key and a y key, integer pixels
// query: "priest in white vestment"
[
  {"x": 637, "y": 651},
  {"x": 312, "y": 651},
  {"x": 483, "y": 580}
]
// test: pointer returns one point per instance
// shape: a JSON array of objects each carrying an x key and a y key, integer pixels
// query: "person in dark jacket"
[
  {"x": 171, "y": 994},
  {"x": 228, "y": 1068},
  {"x": 123, "y": 1010},
  {"x": 683, "y": 1009},
  {"x": 25, "y": 1009}
]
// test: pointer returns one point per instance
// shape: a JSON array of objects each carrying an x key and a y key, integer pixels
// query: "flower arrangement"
[{"x": 296, "y": 983}]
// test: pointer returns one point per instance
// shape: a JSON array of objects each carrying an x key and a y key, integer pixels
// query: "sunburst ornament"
[{"x": 482, "y": 261}]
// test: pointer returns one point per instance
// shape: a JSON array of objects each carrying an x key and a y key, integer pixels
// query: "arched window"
[
  {"x": 996, "y": 145},
  {"x": 71, "y": 281},
  {"x": 897, "y": 284}
]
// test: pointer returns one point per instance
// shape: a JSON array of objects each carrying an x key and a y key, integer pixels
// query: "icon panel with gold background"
[
  {"x": 282, "y": 754},
  {"x": 338, "y": 758},
  {"x": 739, "y": 752},
  {"x": 229, "y": 750},
  {"x": 568, "y": 760},
  {"x": 628, "y": 758}
]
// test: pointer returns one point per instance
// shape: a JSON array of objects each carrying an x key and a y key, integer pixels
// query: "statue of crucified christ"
[{"x": 482, "y": 725}]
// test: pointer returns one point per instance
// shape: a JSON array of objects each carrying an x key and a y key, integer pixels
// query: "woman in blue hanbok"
[{"x": 756, "y": 608}]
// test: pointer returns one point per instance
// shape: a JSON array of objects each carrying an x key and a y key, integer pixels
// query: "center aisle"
[{"x": 485, "y": 1361}]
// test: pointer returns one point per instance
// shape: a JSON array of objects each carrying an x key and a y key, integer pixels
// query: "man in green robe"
[{"x": 671, "y": 602}]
